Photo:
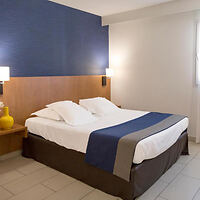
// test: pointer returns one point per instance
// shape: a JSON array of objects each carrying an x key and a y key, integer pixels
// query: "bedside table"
[{"x": 11, "y": 140}]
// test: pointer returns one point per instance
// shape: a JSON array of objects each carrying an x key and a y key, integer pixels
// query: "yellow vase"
[{"x": 6, "y": 121}]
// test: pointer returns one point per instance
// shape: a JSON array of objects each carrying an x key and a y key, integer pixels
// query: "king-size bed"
[{"x": 97, "y": 153}]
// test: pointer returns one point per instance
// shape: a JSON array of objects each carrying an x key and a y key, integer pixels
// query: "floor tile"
[
  {"x": 197, "y": 195},
  {"x": 171, "y": 174},
  {"x": 30, "y": 168},
  {"x": 98, "y": 195},
  {"x": 183, "y": 187},
  {"x": 192, "y": 169},
  {"x": 38, "y": 192},
  {"x": 194, "y": 148},
  {"x": 11, "y": 155},
  {"x": 14, "y": 163},
  {"x": 197, "y": 156},
  {"x": 4, "y": 194},
  {"x": 160, "y": 198},
  {"x": 154, "y": 191},
  {"x": 58, "y": 182},
  {"x": 29, "y": 181},
  {"x": 185, "y": 159},
  {"x": 9, "y": 176},
  {"x": 74, "y": 191}
]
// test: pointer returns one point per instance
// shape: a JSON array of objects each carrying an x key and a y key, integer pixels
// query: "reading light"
[
  {"x": 4, "y": 76},
  {"x": 109, "y": 74},
  {"x": 198, "y": 55}
]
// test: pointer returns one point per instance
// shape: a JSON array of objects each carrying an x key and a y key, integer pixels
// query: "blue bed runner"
[{"x": 112, "y": 149}]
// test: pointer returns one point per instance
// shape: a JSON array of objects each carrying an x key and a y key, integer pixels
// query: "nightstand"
[{"x": 11, "y": 140}]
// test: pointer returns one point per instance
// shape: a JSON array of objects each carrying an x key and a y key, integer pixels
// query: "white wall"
[
  {"x": 167, "y": 8},
  {"x": 154, "y": 63}
]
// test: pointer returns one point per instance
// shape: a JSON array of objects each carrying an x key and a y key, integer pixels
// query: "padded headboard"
[{"x": 25, "y": 95}]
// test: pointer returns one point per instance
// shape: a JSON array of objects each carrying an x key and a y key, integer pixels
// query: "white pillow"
[
  {"x": 48, "y": 114},
  {"x": 72, "y": 113},
  {"x": 100, "y": 106},
  {"x": 56, "y": 103}
]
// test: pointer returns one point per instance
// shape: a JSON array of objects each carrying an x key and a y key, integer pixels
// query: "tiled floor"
[{"x": 25, "y": 179}]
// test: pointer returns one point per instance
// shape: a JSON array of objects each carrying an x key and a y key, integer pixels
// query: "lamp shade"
[
  {"x": 109, "y": 72},
  {"x": 4, "y": 73}
]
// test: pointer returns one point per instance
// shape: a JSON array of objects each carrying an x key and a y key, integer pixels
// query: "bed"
[{"x": 63, "y": 147}]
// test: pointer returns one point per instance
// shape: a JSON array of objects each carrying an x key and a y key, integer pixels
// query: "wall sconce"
[
  {"x": 4, "y": 76},
  {"x": 109, "y": 74}
]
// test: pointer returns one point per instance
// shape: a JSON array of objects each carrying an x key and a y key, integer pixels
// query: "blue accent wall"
[{"x": 42, "y": 38}]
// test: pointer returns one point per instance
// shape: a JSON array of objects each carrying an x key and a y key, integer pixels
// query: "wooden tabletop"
[{"x": 16, "y": 128}]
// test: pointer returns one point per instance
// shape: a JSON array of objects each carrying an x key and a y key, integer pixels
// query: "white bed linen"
[{"x": 76, "y": 138}]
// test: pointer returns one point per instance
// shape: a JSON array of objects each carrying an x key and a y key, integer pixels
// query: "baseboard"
[
  {"x": 11, "y": 155},
  {"x": 191, "y": 138}
]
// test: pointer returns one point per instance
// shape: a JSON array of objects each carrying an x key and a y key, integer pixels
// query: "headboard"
[{"x": 25, "y": 95}]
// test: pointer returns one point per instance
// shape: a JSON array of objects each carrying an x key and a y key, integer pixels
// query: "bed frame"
[
  {"x": 72, "y": 163},
  {"x": 45, "y": 90}
]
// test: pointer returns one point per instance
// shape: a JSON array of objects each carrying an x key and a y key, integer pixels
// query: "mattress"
[{"x": 76, "y": 138}]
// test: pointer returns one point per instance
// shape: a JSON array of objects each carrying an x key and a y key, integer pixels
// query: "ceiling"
[{"x": 108, "y": 7}]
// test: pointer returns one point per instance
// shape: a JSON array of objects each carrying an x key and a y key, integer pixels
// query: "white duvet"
[{"x": 76, "y": 138}]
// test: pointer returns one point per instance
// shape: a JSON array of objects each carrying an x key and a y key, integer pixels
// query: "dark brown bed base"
[{"x": 72, "y": 163}]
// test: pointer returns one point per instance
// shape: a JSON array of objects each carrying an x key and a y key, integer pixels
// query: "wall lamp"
[
  {"x": 109, "y": 74},
  {"x": 4, "y": 76}
]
